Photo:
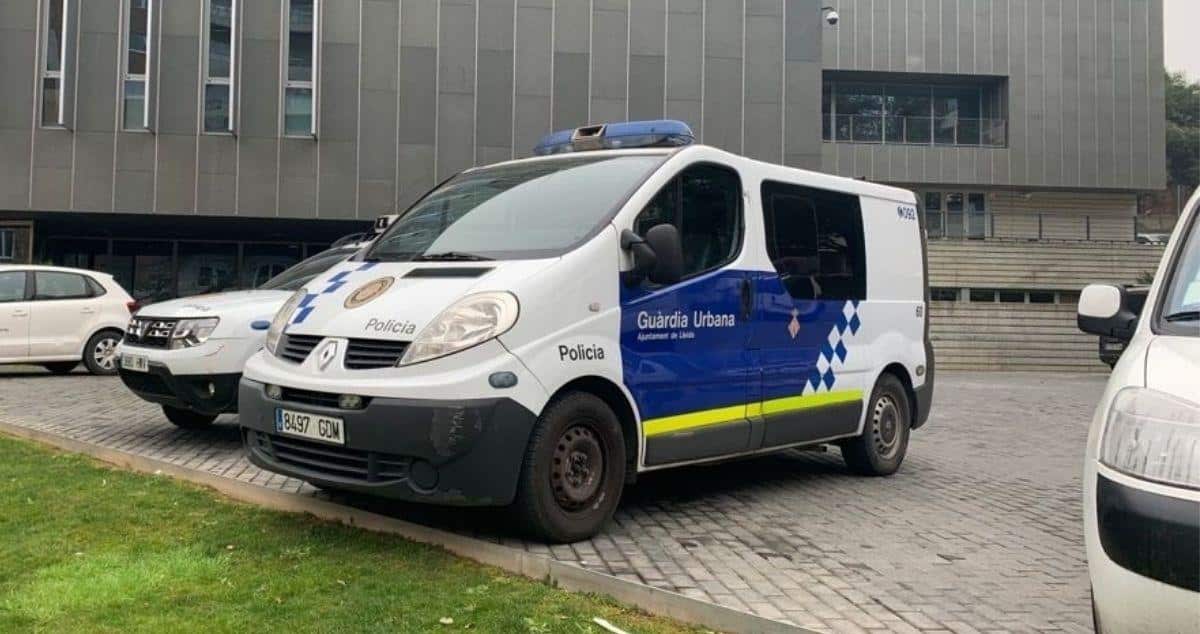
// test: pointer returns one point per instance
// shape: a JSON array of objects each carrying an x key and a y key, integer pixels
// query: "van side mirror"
[
  {"x": 1104, "y": 310},
  {"x": 657, "y": 256}
]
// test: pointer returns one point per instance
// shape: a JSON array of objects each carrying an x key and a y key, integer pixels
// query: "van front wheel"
[
  {"x": 574, "y": 470},
  {"x": 881, "y": 447}
]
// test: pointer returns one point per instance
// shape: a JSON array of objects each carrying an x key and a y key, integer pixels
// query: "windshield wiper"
[
  {"x": 451, "y": 256},
  {"x": 1183, "y": 315}
]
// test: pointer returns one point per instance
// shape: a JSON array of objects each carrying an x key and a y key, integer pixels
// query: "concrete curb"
[{"x": 566, "y": 576}]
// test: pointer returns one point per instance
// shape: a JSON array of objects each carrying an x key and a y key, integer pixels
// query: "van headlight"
[
  {"x": 468, "y": 322},
  {"x": 192, "y": 332},
  {"x": 1153, "y": 436},
  {"x": 281, "y": 319}
]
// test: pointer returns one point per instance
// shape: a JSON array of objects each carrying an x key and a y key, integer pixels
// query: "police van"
[{"x": 537, "y": 332}]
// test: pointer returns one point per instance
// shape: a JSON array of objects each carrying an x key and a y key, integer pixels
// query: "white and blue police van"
[{"x": 536, "y": 333}]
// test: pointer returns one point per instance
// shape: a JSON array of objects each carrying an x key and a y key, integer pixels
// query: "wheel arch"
[
  {"x": 616, "y": 398},
  {"x": 901, "y": 373}
]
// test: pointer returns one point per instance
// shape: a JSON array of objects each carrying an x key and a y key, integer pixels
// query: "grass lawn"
[{"x": 88, "y": 548}]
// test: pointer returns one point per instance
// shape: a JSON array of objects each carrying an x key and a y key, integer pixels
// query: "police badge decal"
[{"x": 369, "y": 291}]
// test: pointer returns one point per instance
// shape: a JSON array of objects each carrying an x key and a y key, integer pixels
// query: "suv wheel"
[
  {"x": 881, "y": 447},
  {"x": 574, "y": 470},
  {"x": 100, "y": 354}
]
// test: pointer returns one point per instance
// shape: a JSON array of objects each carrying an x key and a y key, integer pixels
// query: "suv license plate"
[
  {"x": 314, "y": 426},
  {"x": 135, "y": 362}
]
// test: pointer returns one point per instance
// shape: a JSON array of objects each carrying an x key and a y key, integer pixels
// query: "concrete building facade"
[{"x": 147, "y": 137}]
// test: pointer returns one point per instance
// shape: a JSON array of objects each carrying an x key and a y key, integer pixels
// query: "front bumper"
[
  {"x": 1143, "y": 556},
  {"x": 466, "y": 452},
  {"x": 203, "y": 393}
]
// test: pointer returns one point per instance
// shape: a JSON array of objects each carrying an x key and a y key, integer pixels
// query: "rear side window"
[
  {"x": 704, "y": 202},
  {"x": 12, "y": 286},
  {"x": 815, "y": 241},
  {"x": 55, "y": 285}
]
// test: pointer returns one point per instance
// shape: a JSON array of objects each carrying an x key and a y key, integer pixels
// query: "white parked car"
[
  {"x": 56, "y": 317},
  {"x": 187, "y": 354},
  {"x": 1142, "y": 471}
]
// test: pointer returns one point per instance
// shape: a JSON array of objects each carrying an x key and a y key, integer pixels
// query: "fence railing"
[
  {"x": 944, "y": 130},
  {"x": 961, "y": 225}
]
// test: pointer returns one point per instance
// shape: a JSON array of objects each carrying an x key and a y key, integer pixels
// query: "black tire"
[
  {"x": 562, "y": 495},
  {"x": 60, "y": 367},
  {"x": 186, "y": 418},
  {"x": 99, "y": 355},
  {"x": 881, "y": 447}
]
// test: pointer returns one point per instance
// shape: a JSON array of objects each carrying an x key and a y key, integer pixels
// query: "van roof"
[{"x": 771, "y": 171}]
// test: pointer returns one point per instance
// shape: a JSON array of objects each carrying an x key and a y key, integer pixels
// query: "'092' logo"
[{"x": 904, "y": 212}]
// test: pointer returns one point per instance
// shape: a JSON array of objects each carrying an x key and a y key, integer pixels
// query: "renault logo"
[
  {"x": 328, "y": 354},
  {"x": 369, "y": 291}
]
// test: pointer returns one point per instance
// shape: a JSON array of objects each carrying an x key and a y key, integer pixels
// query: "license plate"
[
  {"x": 135, "y": 362},
  {"x": 305, "y": 425}
]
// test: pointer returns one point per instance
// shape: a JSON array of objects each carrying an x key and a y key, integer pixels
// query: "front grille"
[
  {"x": 353, "y": 464},
  {"x": 145, "y": 383},
  {"x": 149, "y": 332},
  {"x": 309, "y": 397},
  {"x": 295, "y": 348},
  {"x": 368, "y": 354}
]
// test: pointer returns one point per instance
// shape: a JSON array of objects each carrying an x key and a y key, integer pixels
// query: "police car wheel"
[
  {"x": 881, "y": 447},
  {"x": 186, "y": 418},
  {"x": 574, "y": 470}
]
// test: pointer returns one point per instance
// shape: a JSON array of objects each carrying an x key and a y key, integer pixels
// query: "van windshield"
[
  {"x": 523, "y": 210},
  {"x": 300, "y": 274}
]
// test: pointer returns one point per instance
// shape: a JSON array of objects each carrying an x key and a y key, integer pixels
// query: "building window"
[
  {"x": 899, "y": 112},
  {"x": 983, "y": 295},
  {"x": 136, "y": 74},
  {"x": 943, "y": 294},
  {"x": 1041, "y": 297},
  {"x": 299, "y": 93},
  {"x": 220, "y": 60},
  {"x": 958, "y": 215},
  {"x": 54, "y": 67},
  {"x": 8, "y": 238}
]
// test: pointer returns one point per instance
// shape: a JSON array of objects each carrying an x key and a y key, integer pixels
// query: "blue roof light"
[{"x": 614, "y": 136}]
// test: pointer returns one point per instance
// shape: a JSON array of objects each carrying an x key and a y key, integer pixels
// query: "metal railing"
[
  {"x": 1049, "y": 225},
  {"x": 944, "y": 130}
]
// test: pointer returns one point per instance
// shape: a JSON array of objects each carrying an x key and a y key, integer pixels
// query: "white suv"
[
  {"x": 1141, "y": 477},
  {"x": 56, "y": 317}
]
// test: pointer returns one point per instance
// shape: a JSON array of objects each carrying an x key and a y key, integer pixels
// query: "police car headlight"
[
  {"x": 281, "y": 318},
  {"x": 192, "y": 332},
  {"x": 1153, "y": 436},
  {"x": 468, "y": 322}
]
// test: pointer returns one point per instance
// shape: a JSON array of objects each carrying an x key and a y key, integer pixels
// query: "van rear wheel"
[
  {"x": 881, "y": 447},
  {"x": 574, "y": 470}
]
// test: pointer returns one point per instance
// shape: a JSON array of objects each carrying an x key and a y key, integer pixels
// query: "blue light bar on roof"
[{"x": 614, "y": 136}]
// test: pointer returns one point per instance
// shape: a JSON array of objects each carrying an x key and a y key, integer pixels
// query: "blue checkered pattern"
[
  {"x": 832, "y": 357},
  {"x": 307, "y": 305}
]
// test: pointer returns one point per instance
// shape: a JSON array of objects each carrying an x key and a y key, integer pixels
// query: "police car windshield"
[
  {"x": 521, "y": 210},
  {"x": 300, "y": 274}
]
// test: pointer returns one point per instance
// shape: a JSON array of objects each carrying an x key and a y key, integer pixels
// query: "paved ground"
[{"x": 980, "y": 530}]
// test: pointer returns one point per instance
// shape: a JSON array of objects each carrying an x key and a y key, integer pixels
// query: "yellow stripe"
[{"x": 734, "y": 413}]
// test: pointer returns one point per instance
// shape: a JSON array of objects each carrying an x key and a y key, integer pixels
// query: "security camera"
[{"x": 831, "y": 17}]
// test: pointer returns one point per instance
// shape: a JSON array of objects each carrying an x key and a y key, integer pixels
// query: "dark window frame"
[
  {"x": 34, "y": 296},
  {"x": 676, "y": 182},
  {"x": 856, "y": 246}
]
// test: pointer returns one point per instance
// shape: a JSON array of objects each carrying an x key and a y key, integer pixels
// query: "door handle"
[
  {"x": 87, "y": 311},
  {"x": 747, "y": 298},
  {"x": 20, "y": 313}
]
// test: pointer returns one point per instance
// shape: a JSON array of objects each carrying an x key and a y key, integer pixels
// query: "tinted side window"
[
  {"x": 705, "y": 205},
  {"x": 54, "y": 285},
  {"x": 12, "y": 286},
  {"x": 815, "y": 241}
]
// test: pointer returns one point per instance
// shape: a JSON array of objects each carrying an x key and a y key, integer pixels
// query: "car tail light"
[{"x": 133, "y": 306}]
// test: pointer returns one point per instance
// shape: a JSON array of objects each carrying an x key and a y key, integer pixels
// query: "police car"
[
  {"x": 187, "y": 354},
  {"x": 537, "y": 332}
]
